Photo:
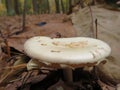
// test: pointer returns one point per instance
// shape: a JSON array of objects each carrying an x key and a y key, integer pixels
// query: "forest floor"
[{"x": 55, "y": 25}]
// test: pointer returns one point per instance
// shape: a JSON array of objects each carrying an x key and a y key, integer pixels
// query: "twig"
[
  {"x": 14, "y": 33},
  {"x": 6, "y": 43},
  {"x": 21, "y": 66},
  {"x": 25, "y": 78},
  {"x": 8, "y": 48},
  {"x": 28, "y": 76},
  {"x": 18, "y": 79},
  {"x": 12, "y": 71},
  {"x": 1, "y": 34},
  {"x": 96, "y": 31},
  {"x": 23, "y": 21}
]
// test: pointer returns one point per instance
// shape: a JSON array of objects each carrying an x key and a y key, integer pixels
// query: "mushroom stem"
[{"x": 68, "y": 75}]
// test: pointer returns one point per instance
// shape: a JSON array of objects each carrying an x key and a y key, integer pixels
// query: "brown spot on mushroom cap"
[
  {"x": 71, "y": 44},
  {"x": 55, "y": 51},
  {"x": 44, "y": 44}
]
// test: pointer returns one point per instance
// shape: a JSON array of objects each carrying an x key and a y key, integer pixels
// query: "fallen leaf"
[{"x": 108, "y": 30}]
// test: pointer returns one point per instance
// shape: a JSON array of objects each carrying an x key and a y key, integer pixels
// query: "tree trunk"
[
  {"x": 35, "y": 6},
  {"x": 70, "y": 7},
  {"x": 41, "y": 6},
  {"x": 24, "y": 15},
  {"x": 16, "y": 7},
  {"x": 62, "y": 5},
  {"x": 48, "y": 7},
  {"x": 9, "y": 7},
  {"x": 57, "y": 6},
  {"x": 67, "y": 6},
  {"x": 52, "y": 6},
  {"x": 45, "y": 6}
]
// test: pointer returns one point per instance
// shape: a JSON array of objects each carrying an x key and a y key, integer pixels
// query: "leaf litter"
[{"x": 15, "y": 79}]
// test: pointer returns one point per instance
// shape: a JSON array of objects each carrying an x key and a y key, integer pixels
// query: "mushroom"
[{"x": 66, "y": 53}]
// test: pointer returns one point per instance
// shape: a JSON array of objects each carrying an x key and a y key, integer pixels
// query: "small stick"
[
  {"x": 15, "y": 67},
  {"x": 25, "y": 78},
  {"x": 28, "y": 76},
  {"x": 96, "y": 31},
  {"x": 8, "y": 48},
  {"x": 15, "y": 80},
  {"x": 23, "y": 20},
  {"x": 6, "y": 43},
  {"x": 1, "y": 34}
]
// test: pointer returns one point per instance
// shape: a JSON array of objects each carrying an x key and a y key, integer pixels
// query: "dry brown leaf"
[
  {"x": 54, "y": 24},
  {"x": 108, "y": 30}
]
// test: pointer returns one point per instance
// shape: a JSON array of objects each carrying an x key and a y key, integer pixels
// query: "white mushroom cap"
[{"x": 67, "y": 51}]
